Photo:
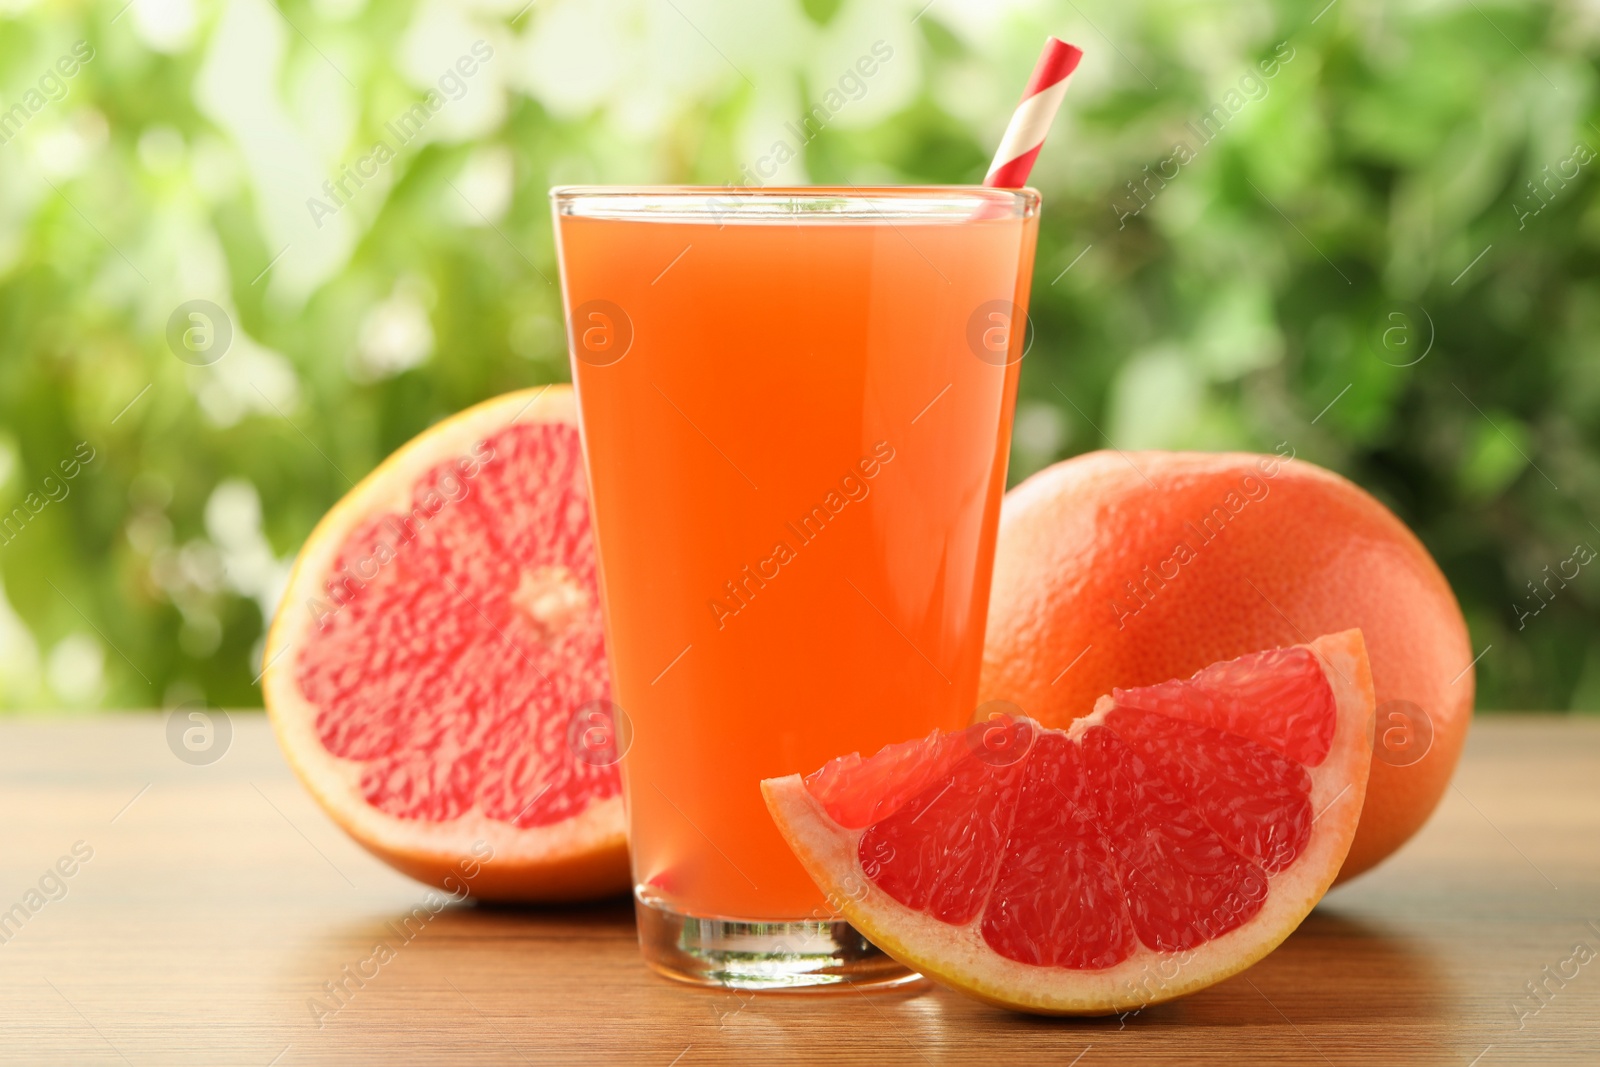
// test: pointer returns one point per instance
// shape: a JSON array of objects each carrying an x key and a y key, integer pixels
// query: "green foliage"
[{"x": 1348, "y": 259}]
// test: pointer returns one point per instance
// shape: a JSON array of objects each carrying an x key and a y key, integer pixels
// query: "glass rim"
[{"x": 794, "y": 203}]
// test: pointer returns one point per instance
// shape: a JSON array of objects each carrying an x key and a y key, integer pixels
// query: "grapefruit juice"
[{"x": 796, "y": 409}]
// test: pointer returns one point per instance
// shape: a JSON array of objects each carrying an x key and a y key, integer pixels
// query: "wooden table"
[{"x": 218, "y": 900}]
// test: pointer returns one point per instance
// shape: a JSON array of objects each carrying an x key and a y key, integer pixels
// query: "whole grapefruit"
[{"x": 1123, "y": 569}]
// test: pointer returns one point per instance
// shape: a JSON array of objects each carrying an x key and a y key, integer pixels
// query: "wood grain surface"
[{"x": 218, "y": 901}]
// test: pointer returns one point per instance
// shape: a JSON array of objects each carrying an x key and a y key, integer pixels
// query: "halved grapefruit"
[
  {"x": 436, "y": 674},
  {"x": 1166, "y": 841}
]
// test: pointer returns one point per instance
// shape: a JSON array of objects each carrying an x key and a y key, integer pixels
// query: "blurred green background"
[{"x": 1384, "y": 254}]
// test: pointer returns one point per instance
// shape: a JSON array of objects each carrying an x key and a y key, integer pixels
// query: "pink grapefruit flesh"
[
  {"x": 439, "y": 639},
  {"x": 1168, "y": 840}
]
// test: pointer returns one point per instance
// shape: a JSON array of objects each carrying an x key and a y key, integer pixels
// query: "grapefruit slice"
[
  {"x": 436, "y": 673},
  {"x": 1166, "y": 841}
]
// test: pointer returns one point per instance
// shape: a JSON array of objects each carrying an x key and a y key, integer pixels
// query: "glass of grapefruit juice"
[{"x": 796, "y": 407}]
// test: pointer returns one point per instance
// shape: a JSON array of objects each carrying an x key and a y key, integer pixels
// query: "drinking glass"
[{"x": 796, "y": 407}]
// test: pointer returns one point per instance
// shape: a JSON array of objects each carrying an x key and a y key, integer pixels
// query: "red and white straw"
[{"x": 1031, "y": 121}]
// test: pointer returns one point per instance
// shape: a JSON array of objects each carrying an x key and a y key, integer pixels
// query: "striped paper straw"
[{"x": 1031, "y": 121}]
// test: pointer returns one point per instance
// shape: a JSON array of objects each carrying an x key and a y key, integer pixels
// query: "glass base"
[{"x": 797, "y": 956}]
